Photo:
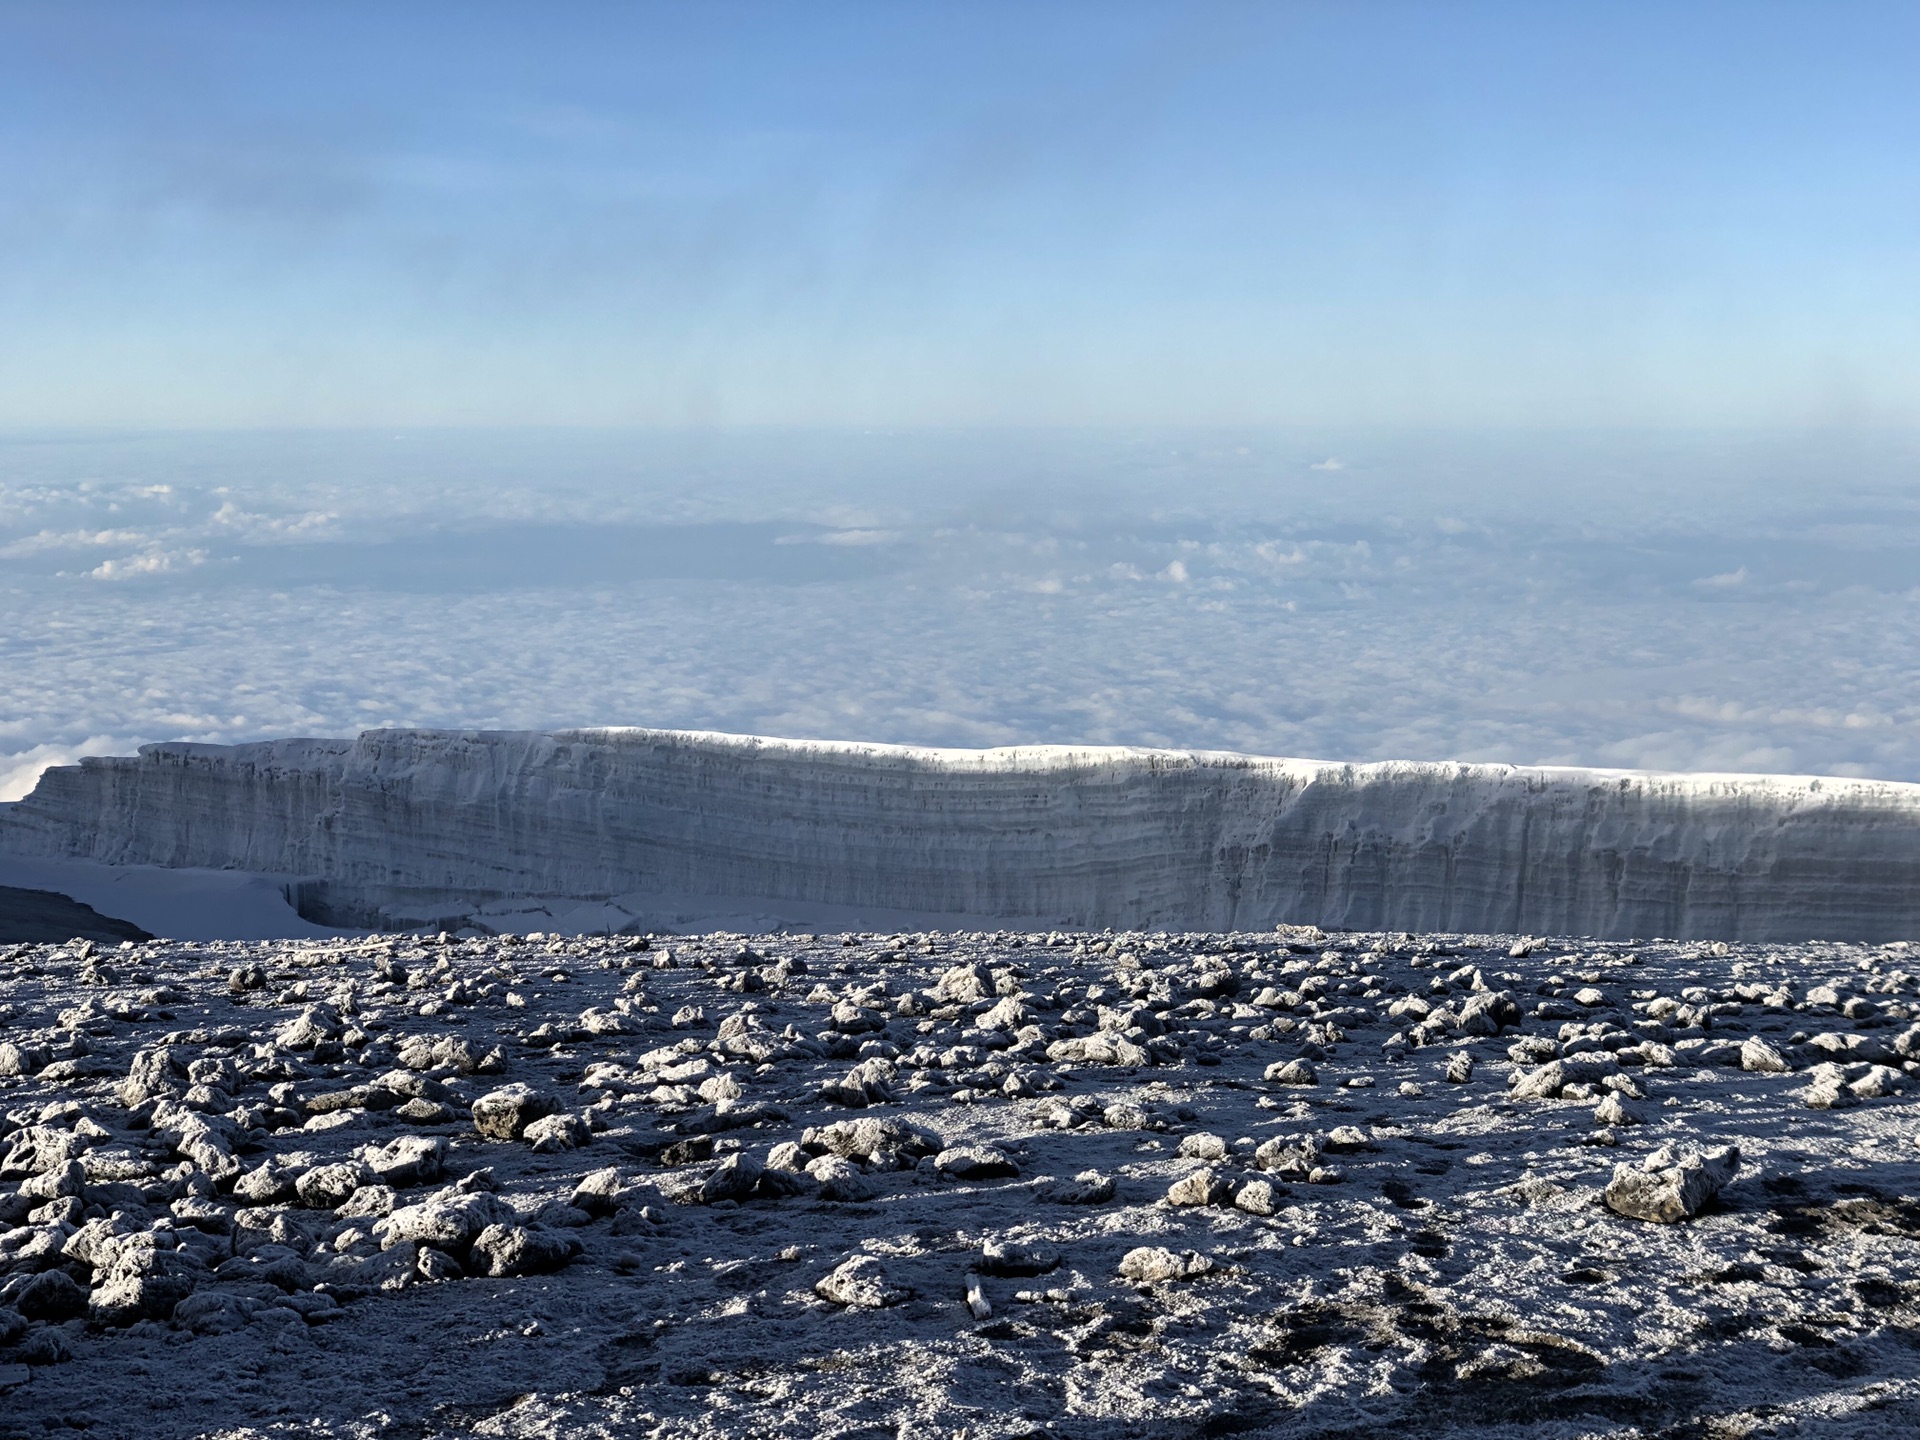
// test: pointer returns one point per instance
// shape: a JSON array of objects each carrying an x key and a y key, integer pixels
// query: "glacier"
[{"x": 399, "y": 829}]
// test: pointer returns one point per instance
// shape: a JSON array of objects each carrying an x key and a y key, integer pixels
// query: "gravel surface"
[{"x": 1285, "y": 1183}]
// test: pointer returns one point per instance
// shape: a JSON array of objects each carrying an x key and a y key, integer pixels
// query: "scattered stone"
[
  {"x": 516, "y": 1250},
  {"x": 554, "y": 1133},
  {"x": 1614, "y": 1110},
  {"x": 1089, "y": 1187},
  {"x": 1294, "y": 1159},
  {"x": 1203, "y": 1147},
  {"x": 735, "y": 1178},
  {"x": 437, "y": 1265},
  {"x": 1257, "y": 1197},
  {"x": 1293, "y": 1072},
  {"x": 1757, "y": 1055},
  {"x": 326, "y": 1187},
  {"x": 50, "y": 1295},
  {"x": 505, "y": 1114},
  {"x": 1827, "y": 1088},
  {"x": 163, "y": 1177},
  {"x": 448, "y": 1221},
  {"x": 1155, "y": 1265},
  {"x": 860, "y": 1284},
  {"x": 871, "y": 1137},
  {"x": 1879, "y": 1082},
  {"x": 1006, "y": 1258},
  {"x": 1669, "y": 1186},
  {"x": 975, "y": 1162},
  {"x": 598, "y": 1194},
  {"x": 270, "y": 1183},
  {"x": 1202, "y": 1187},
  {"x": 408, "y": 1161},
  {"x": 1105, "y": 1048},
  {"x": 840, "y": 1180}
]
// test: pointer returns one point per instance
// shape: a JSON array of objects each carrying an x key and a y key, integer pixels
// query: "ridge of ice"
[{"x": 411, "y": 826}]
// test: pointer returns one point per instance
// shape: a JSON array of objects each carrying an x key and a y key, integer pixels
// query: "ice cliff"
[{"x": 401, "y": 827}]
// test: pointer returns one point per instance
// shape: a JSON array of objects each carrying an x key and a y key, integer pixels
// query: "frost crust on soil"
[{"x": 1279, "y": 1183}]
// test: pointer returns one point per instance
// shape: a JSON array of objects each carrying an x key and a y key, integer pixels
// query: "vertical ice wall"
[{"x": 408, "y": 824}]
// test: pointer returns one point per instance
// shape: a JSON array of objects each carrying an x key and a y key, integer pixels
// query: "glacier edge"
[{"x": 397, "y": 828}]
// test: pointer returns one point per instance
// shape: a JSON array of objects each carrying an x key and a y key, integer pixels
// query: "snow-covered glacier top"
[{"x": 402, "y": 827}]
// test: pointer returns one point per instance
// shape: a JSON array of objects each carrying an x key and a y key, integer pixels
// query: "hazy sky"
[{"x": 905, "y": 213}]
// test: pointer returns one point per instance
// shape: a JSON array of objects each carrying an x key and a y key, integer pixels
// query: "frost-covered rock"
[
  {"x": 408, "y": 1161},
  {"x": 553, "y": 1133},
  {"x": 447, "y": 1221},
  {"x": 1202, "y": 1187},
  {"x": 1292, "y": 1072},
  {"x": 1156, "y": 1265},
  {"x": 1759, "y": 1056},
  {"x": 326, "y": 1186},
  {"x": 860, "y": 1283},
  {"x": 840, "y": 1179},
  {"x": 504, "y": 1114},
  {"x": 1669, "y": 1185},
  {"x": 975, "y": 1162},
  {"x": 516, "y": 1250}
]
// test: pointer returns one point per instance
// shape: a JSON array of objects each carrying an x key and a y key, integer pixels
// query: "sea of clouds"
[{"x": 1678, "y": 601}]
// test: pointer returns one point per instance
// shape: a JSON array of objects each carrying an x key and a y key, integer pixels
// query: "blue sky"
[{"x": 959, "y": 214}]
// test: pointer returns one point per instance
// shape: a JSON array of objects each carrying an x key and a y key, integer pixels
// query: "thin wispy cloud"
[{"x": 998, "y": 213}]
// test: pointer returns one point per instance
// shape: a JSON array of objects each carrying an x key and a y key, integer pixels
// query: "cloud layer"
[{"x": 1525, "y": 599}]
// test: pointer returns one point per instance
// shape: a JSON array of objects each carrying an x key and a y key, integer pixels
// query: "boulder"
[
  {"x": 1156, "y": 1265},
  {"x": 408, "y": 1161},
  {"x": 975, "y": 1162},
  {"x": 447, "y": 1221},
  {"x": 860, "y": 1283},
  {"x": 516, "y": 1250},
  {"x": 735, "y": 1178},
  {"x": 1757, "y": 1055},
  {"x": 1669, "y": 1186},
  {"x": 555, "y": 1133},
  {"x": 1292, "y": 1072},
  {"x": 505, "y": 1114},
  {"x": 840, "y": 1180},
  {"x": 1202, "y": 1187},
  {"x": 327, "y": 1187}
]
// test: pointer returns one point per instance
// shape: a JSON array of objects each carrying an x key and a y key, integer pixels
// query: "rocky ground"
[
  {"x": 982, "y": 1185},
  {"x": 47, "y": 915}
]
